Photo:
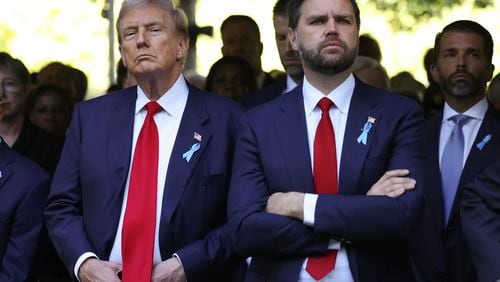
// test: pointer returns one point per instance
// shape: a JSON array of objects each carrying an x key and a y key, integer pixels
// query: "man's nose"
[
  {"x": 461, "y": 61},
  {"x": 142, "y": 38},
  {"x": 331, "y": 26}
]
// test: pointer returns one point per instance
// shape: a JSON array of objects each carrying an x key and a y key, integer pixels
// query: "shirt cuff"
[
  {"x": 333, "y": 244},
  {"x": 175, "y": 255},
  {"x": 81, "y": 260},
  {"x": 310, "y": 201}
]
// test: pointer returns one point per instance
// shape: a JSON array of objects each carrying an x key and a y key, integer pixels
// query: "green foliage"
[
  {"x": 6, "y": 35},
  {"x": 403, "y": 15}
]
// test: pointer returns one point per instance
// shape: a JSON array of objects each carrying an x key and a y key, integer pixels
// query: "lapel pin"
[
  {"x": 189, "y": 154},
  {"x": 363, "y": 137},
  {"x": 0, "y": 174},
  {"x": 483, "y": 142},
  {"x": 197, "y": 137}
]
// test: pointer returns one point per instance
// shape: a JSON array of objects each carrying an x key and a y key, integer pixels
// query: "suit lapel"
[
  {"x": 179, "y": 169},
  {"x": 291, "y": 128},
  {"x": 479, "y": 158},
  {"x": 6, "y": 159},
  {"x": 120, "y": 131},
  {"x": 353, "y": 153}
]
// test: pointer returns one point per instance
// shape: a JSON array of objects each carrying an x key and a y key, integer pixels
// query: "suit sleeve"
[
  {"x": 255, "y": 232},
  {"x": 63, "y": 213},
  {"x": 480, "y": 214},
  {"x": 361, "y": 217},
  {"x": 25, "y": 233}
]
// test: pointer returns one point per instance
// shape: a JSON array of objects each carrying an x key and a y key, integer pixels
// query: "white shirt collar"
[
  {"x": 340, "y": 96},
  {"x": 290, "y": 84},
  {"x": 172, "y": 101},
  {"x": 478, "y": 111}
]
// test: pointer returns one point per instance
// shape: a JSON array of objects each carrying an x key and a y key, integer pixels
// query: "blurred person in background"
[
  {"x": 371, "y": 72},
  {"x": 231, "y": 77},
  {"x": 71, "y": 79},
  {"x": 289, "y": 59},
  {"x": 49, "y": 107},
  {"x": 433, "y": 95},
  {"x": 403, "y": 83},
  {"x": 241, "y": 38},
  {"x": 16, "y": 130},
  {"x": 369, "y": 47},
  {"x": 493, "y": 93}
]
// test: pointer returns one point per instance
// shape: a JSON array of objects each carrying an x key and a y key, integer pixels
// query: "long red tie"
[
  {"x": 325, "y": 181},
  {"x": 138, "y": 233}
]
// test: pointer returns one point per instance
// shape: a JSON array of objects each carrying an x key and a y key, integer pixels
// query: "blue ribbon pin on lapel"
[
  {"x": 363, "y": 137},
  {"x": 483, "y": 143},
  {"x": 189, "y": 154}
]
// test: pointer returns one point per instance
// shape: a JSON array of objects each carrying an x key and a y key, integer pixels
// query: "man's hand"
[
  {"x": 170, "y": 270},
  {"x": 393, "y": 183},
  {"x": 290, "y": 204},
  {"x": 93, "y": 270}
]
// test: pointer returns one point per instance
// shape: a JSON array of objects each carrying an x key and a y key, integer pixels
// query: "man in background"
[
  {"x": 241, "y": 38},
  {"x": 289, "y": 59},
  {"x": 461, "y": 141}
]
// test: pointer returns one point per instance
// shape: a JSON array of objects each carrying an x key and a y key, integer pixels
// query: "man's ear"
[
  {"x": 434, "y": 72},
  {"x": 182, "y": 47},
  {"x": 490, "y": 71},
  {"x": 123, "y": 57},
  {"x": 292, "y": 37}
]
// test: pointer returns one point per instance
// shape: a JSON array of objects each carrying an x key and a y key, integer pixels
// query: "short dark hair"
[
  {"x": 242, "y": 64},
  {"x": 242, "y": 18},
  {"x": 16, "y": 67},
  {"x": 294, "y": 12},
  {"x": 467, "y": 27},
  {"x": 280, "y": 8}
]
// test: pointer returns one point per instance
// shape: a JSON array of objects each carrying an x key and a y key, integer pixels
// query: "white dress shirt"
[
  {"x": 173, "y": 103},
  {"x": 341, "y": 97},
  {"x": 290, "y": 84},
  {"x": 470, "y": 129}
]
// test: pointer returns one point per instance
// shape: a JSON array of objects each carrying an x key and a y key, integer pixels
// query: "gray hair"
[{"x": 172, "y": 6}]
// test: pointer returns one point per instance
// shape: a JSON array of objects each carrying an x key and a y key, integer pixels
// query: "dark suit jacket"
[
  {"x": 442, "y": 254},
  {"x": 37, "y": 145},
  {"x": 272, "y": 155},
  {"x": 480, "y": 214},
  {"x": 266, "y": 94},
  {"x": 23, "y": 190},
  {"x": 87, "y": 191}
]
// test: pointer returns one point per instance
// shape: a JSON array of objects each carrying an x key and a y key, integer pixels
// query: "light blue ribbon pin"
[
  {"x": 363, "y": 137},
  {"x": 189, "y": 154},
  {"x": 483, "y": 143}
]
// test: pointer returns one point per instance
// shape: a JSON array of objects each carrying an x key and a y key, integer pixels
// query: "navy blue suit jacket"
[
  {"x": 480, "y": 214},
  {"x": 87, "y": 191},
  {"x": 272, "y": 155},
  {"x": 23, "y": 191},
  {"x": 442, "y": 253}
]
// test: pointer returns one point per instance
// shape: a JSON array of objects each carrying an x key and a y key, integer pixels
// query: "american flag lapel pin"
[{"x": 197, "y": 136}]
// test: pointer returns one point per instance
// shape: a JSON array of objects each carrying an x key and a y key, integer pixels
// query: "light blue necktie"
[{"x": 451, "y": 163}]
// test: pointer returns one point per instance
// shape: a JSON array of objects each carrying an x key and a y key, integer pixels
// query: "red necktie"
[
  {"x": 325, "y": 181},
  {"x": 138, "y": 234}
]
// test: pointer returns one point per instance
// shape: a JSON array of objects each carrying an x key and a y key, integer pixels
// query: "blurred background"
[{"x": 78, "y": 32}]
